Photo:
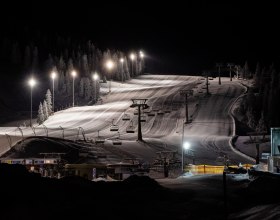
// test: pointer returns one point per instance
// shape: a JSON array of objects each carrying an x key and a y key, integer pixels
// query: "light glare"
[
  {"x": 109, "y": 64},
  {"x": 186, "y": 145},
  {"x": 32, "y": 82},
  {"x": 74, "y": 73},
  {"x": 132, "y": 56},
  {"x": 53, "y": 75}
]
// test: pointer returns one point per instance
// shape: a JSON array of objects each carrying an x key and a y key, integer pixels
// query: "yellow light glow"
[
  {"x": 53, "y": 75},
  {"x": 95, "y": 76},
  {"x": 132, "y": 56},
  {"x": 109, "y": 64},
  {"x": 74, "y": 73}
]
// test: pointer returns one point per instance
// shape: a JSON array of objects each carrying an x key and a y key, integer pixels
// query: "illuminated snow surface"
[{"x": 209, "y": 132}]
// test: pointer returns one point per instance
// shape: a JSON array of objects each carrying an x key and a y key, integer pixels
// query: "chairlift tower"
[
  {"x": 186, "y": 93},
  {"x": 139, "y": 103}
]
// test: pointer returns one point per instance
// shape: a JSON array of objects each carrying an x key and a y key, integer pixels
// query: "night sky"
[{"x": 179, "y": 38}]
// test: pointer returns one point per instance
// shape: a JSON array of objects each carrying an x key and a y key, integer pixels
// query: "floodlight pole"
[{"x": 219, "y": 65}]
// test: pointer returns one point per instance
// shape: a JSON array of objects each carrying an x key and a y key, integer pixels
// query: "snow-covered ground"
[{"x": 209, "y": 132}]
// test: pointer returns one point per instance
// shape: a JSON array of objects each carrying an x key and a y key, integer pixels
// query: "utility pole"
[
  {"x": 219, "y": 65},
  {"x": 230, "y": 65},
  {"x": 139, "y": 103},
  {"x": 186, "y": 93}
]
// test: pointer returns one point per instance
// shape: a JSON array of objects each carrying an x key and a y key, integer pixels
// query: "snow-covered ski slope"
[{"x": 209, "y": 132}]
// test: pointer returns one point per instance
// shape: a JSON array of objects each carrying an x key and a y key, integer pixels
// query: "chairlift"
[
  {"x": 130, "y": 128},
  {"x": 167, "y": 110},
  {"x": 114, "y": 128},
  {"x": 99, "y": 139},
  {"x": 151, "y": 113},
  {"x": 135, "y": 112},
  {"x": 146, "y": 111},
  {"x": 125, "y": 117},
  {"x": 143, "y": 118},
  {"x": 117, "y": 141}
]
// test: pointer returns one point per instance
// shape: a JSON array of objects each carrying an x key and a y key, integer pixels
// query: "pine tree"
[
  {"x": 15, "y": 54},
  {"x": 84, "y": 65},
  {"x": 40, "y": 117},
  {"x": 27, "y": 57},
  {"x": 35, "y": 59},
  {"x": 68, "y": 79},
  {"x": 82, "y": 87},
  {"x": 257, "y": 76},
  {"x": 251, "y": 122},
  {"x": 88, "y": 89},
  {"x": 45, "y": 110},
  {"x": 261, "y": 127},
  {"x": 246, "y": 71},
  {"x": 126, "y": 70},
  {"x": 49, "y": 101}
]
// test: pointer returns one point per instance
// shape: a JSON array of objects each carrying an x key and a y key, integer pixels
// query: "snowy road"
[{"x": 208, "y": 133}]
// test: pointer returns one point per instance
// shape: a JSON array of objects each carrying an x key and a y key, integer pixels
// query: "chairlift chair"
[
  {"x": 160, "y": 112},
  {"x": 151, "y": 113},
  {"x": 114, "y": 128},
  {"x": 117, "y": 142},
  {"x": 167, "y": 110},
  {"x": 130, "y": 128},
  {"x": 99, "y": 140},
  {"x": 125, "y": 117},
  {"x": 142, "y": 118},
  {"x": 135, "y": 112}
]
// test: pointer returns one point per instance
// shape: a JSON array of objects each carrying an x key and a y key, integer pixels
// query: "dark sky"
[{"x": 178, "y": 37}]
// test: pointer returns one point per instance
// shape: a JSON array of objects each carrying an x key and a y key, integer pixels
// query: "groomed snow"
[{"x": 209, "y": 132}]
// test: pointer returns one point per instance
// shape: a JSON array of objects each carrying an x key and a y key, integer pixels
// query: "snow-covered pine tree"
[
  {"x": 45, "y": 110},
  {"x": 68, "y": 79},
  {"x": 126, "y": 69},
  {"x": 49, "y": 101},
  {"x": 88, "y": 89},
  {"x": 84, "y": 65},
  {"x": 40, "y": 117},
  {"x": 82, "y": 87}
]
